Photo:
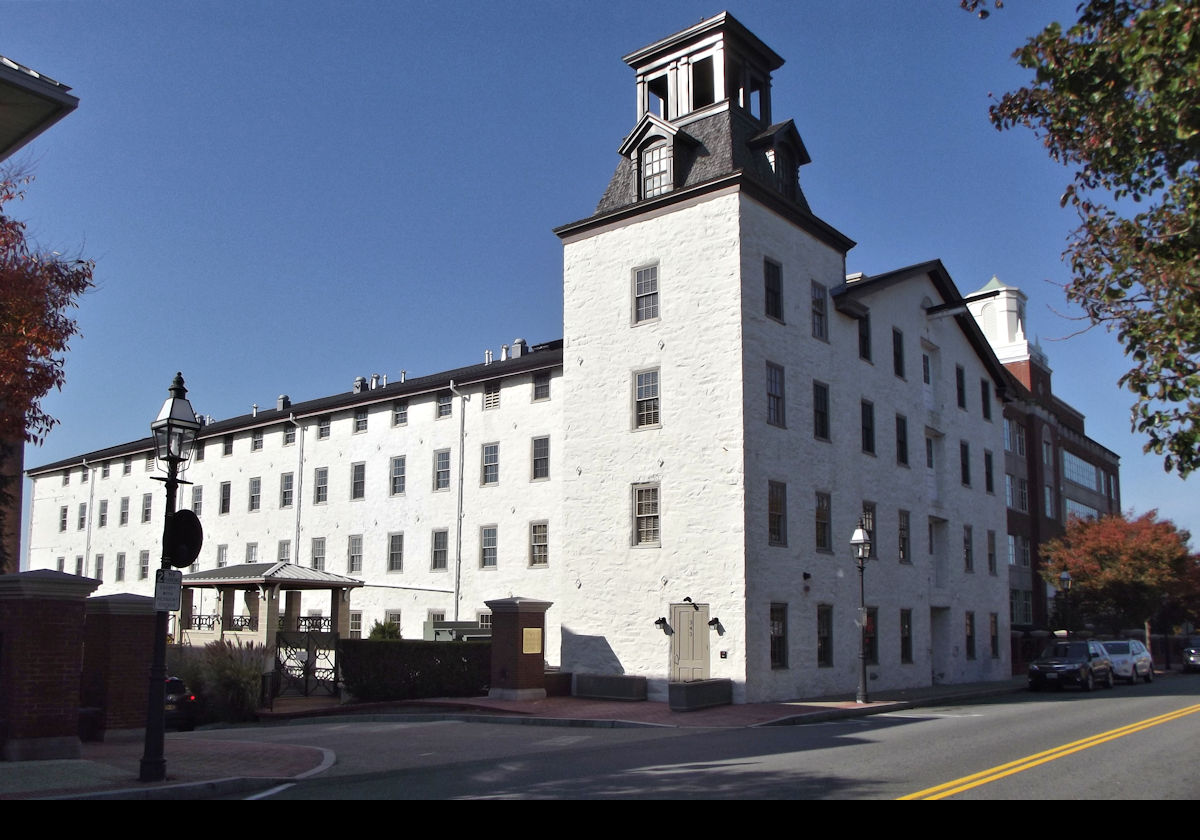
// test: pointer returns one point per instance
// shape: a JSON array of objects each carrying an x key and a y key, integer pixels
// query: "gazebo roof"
[{"x": 284, "y": 575}]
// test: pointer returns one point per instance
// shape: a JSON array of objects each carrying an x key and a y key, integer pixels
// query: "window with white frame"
[
  {"x": 102, "y": 514},
  {"x": 84, "y": 474},
  {"x": 197, "y": 452},
  {"x": 487, "y": 547},
  {"x": 143, "y": 565},
  {"x": 540, "y": 467},
  {"x": 147, "y": 506},
  {"x": 355, "y": 624},
  {"x": 354, "y": 552},
  {"x": 646, "y": 399},
  {"x": 489, "y": 466},
  {"x": 255, "y": 501},
  {"x": 395, "y": 561},
  {"x": 226, "y": 445},
  {"x": 645, "y": 514},
  {"x": 127, "y": 464},
  {"x": 222, "y": 556},
  {"x": 120, "y": 566},
  {"x": 197, "y": 500},
  {"x": 400, "y": 413},
  {"x": 324, "y": 424},
  {"x": 320, "y": 485},
  {"x": 81, "y": 519},
  {"x": 398, "y": 475},
  {"x": 491, "y": 395},
  {"x": 287, "y": 493},
  {"x": 358, "y": 481},
  {"x": 123, "y": 515},
  {"x": 439, "y": 550},
  {"x": 820, "y": 316},
  {"x": 223, "y": 502},
  {"x": 645, "y": 294},
  {"x": 318, "y": 553},
  {"x": 657, "y": 175},
  {"x": 252, "y": 552},
  {"x": 105, "y": 469},
  {"x": 150, "y": 459},
  {"x": 445, "y": 404},
  {"x": 284, "y": 552},
  {"x": 256, "y": 440},
  {"x": 539, "y": 544},
  {"x": 541, "y": 386},
  {"x": 441, "y": 469},
  {"x": 79, "y": 565},
  {"x": 100, "y": 567},
  {"x": 289, "y": 434},
  {"x": 62, "y": 518},
  {"x": 360, "y": 420}
]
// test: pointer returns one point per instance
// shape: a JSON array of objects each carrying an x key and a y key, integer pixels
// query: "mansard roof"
[{"x": 538, "y": 357}]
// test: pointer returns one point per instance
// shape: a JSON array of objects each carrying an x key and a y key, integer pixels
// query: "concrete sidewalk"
[{"x": 200, "y": 768}]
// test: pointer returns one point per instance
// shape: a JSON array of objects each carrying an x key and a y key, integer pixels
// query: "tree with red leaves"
[
  {"x": 1125, "y": 571},
  {"x": 37, "y": 292}
]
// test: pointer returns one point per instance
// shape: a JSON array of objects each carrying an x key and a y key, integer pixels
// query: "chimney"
[
  {"x": 283, "y": 402},
  {"x": 518, "y": 348},
  {"x": 360, "y": 384}
]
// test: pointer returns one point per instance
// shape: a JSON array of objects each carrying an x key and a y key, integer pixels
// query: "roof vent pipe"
[
  {"x": 383, "y": 382},
  {"x": 374, "y": 381},
  {"x": 487, "y": 356},
  {"x": 504, "y": 352},
  {"x": 402, "y": 375},
  {"x": 254, "y": 410}
]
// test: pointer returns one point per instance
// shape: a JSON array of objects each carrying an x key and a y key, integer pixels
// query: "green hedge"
[{"x": 408, "y": 669}]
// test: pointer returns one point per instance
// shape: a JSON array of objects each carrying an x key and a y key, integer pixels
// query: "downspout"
[
  {"x": 296, "y": 502},
  {"x": 462, "y": 434}
]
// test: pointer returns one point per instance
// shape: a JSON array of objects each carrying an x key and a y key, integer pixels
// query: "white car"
[{"x": 1131, "y": 661}]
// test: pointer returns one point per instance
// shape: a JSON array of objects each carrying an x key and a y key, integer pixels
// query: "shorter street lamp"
[
  {"x": 174, "y": 433},
  {"x": 1064, "y": 582},
  {"x": 861, "y": 543}
]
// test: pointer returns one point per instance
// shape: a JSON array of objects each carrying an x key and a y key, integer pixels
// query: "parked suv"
[
  {"x": 1081, "y": 663},
  {"x": 1191, "y": 654}
]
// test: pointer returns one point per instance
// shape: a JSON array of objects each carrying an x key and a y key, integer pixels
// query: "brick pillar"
[
  {"x": 41, "y": 657},
  {"x": 291, "y": 610},
  {"x": 252, "y": 610},
  {"x": 228, "y": 603},
  {"x": 339, "y": 611},
  {"x": 518, "y": 648},
  {"x": 271, "y": 616},
  {"x": 118, "y": 647}
]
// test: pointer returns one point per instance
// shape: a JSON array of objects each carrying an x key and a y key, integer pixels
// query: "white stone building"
[{"x": 680, "y": 476}]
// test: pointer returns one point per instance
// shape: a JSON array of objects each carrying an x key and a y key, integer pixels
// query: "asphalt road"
[{"x": 1133, "y": 742}]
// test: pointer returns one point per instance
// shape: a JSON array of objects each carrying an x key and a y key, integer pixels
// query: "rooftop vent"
[
  {"x": 282, "y": 402},
  {"x": 360, "y": 384},
  {"x": 518, "y": 348}
]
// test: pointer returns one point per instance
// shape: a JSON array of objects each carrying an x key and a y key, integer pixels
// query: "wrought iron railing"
[
  {"x": 314, "y": 624},
  {"x": 203, "y": 622},
  {"x": 244, "y": 622}
]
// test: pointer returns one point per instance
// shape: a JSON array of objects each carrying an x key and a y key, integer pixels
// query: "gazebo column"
[
  {"x": 271, "y": 619},
  {"x": 291, "y": 610},
  {"x": 339, "y": 611},
  {"x": 252, "y": 607},
  {"x": 186, "y": 609},
  {"x": 228, "y": 602}
]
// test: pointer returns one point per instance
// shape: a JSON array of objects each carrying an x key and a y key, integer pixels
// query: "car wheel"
[
  {"x": 1109, "y": 682},
  {"x": 1150, "y": 674},
  {"x": 1089, "y": 683}
]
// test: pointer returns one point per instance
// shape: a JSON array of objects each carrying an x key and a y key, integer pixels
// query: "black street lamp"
[
  {"x": 174, "y": 432},
  {"x": 1064, "y": 582},
  {"x": 861, "y": 543}
]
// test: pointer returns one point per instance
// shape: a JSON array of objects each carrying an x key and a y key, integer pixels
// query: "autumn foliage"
[
  {"x": 37, "y": 293},
  {"x": 1125, "y": 571}
]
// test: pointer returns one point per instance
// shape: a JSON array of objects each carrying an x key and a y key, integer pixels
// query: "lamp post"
[
  {"x": 861, "y": 543},
  {"x": 174, "y": 433},
  {"x": 1064, "y": 582}
]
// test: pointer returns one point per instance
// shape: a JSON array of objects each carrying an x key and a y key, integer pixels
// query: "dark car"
[
  {"x": 1191, "y": 654},
  {"x": 1081, "y": 663},
  {"x": 182, "y": 708}
]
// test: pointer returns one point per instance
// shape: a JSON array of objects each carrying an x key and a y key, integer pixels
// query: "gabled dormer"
[{"x": 654, "y": 147}]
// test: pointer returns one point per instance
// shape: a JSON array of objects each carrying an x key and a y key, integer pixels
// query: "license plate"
[
  {"x": 1051, "y": 676},
  {"x": 170, "y": 707}
]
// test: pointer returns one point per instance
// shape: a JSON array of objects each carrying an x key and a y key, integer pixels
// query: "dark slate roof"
[
  {"x": 845, "y": 299},
  {"x": 538, "y": 357},
  {"x": 286, "y": 575}
]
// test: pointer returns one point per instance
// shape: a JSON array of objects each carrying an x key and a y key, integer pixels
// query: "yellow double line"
[{"x": 1031, "y": 761}]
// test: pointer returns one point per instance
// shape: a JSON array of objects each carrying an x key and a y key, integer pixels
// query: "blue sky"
[{"x": 283, "y": 196}]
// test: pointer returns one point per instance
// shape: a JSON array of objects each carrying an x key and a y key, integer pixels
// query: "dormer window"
[{"x": 657, "y": 174}]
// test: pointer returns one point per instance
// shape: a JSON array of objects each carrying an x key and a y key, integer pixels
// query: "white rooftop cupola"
[
  {"x": 718, "y": 60},
  {"x": 1002, "y": 320}
]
